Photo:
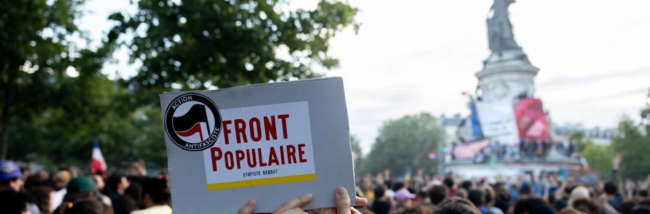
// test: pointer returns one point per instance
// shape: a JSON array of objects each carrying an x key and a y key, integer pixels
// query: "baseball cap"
[
  {"x": 81, "y": 184},
  {"x": 404, "y": 194},
  {"x": 9, "y": 170}
]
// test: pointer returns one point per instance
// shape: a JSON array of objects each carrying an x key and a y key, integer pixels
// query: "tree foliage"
[
  {"x": 35, "y": 54},
  {"x": 599, "y": 158},
  {"x": 54, "y": 117},
  {"x": 634, "y": 143},
  {"x": 197, "y": 44},
  {"x": 579, "y": 139},
  {"x": 359, "y": 165},
  {"x": 405, "y": 143}
]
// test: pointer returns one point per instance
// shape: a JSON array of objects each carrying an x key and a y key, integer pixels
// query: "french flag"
[{"x": 97, "y": 164}]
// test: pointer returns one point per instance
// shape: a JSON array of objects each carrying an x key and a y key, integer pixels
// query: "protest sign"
[
  {"x": 469, "y": 150},
  {"x": 270, "y": 142},
  {"x": 498, "y": 122},
  {"x": 531, "y": 120}
]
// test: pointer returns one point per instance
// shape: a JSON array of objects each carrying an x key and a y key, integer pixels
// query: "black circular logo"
[{"x": 193, "y": 122}]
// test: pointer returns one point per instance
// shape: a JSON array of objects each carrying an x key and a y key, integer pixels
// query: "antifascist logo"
[{"x": 193, "y": 122}]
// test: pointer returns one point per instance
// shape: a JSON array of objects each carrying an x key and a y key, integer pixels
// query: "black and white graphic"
[{"x": 193, "y": 122}]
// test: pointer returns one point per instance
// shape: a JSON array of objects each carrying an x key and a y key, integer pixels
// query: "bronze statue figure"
[{"x": 500, "y": 33}]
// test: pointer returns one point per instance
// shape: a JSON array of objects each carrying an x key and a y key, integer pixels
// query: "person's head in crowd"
[
  {"x": 13, "y": 202},
  {"x": 11, "y": 179},
  {"x": 567, "y": 191},
  {"x": 449, "y": 182},
  {"x": 25, "y": 172},
  {"x": 569, "y": 210},
  {"x": 80, "y": 188},
  {"x": 389, "y": 185},
  {"x": 124, "y": 205},
  {"x": 640, "y": 210},
  {"x": 489, "y": 195},
  {"x": 404, "y": 198},
  {"x": 423, "y": 196},
  {"x": 525, "y": 190},
  {"x": 155, "y": 192},
  {"x": 73, "y": 171},
  {"x": 476, "y": 197},
  {"x": 502, "y": 198},
  {"x": 397, "y": 186},
  {"x": 551, "y": 195},
  {"x": 627, "y": 206},
  {"x": 532, "y": 205},
  {"x": 411, "y": 190},
  {"x": 380, "y": 192},
  {"x": 35, "y": 181},
  {"x": 586, "y": 205},
  {"x": 43, "y": 175},
  {"x": 610, "y": 188},
  {"x": 577, "y": 193},
  {"x": 117, "y": 184},
  {"x": 42, "y": 197},
  {"x": 61, "y": 179},
  {"x": 86, "y": 206},
  {"x": 456, "y": 205},
  {"x": 99, "y": 182},
  {"x": 438, "y": 193},
  {"x": 461, "y": 193},
  {"x": 135, "y": 192},
  {"x": 642, "y": 195},
  {"x": 467, "y": 185}
]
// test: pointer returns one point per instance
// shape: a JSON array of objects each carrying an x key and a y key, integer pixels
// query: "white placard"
[
  {"x": 498, "y": 122},
  {"x": 261, "y": 145}
]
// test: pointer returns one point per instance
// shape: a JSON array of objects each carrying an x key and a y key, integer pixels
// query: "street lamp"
[{"x": 647, "y": 100}]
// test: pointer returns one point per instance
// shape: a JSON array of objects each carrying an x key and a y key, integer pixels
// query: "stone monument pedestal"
[{"x": 507, "y": 82}]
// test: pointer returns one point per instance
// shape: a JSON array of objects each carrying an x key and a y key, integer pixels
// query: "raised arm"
[{"x": 616, "y": 162}]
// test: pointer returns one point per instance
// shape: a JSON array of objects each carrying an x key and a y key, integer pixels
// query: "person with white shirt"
[{"x": 61, "y": 180}]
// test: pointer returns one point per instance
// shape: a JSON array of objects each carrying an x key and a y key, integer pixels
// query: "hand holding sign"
[{"x": 293, "y": 206}]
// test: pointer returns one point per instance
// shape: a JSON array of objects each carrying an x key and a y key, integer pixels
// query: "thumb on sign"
[{"x": 343, "y": 205}]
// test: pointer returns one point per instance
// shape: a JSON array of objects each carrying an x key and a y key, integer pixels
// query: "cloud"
[{"x": 574, "y": 80}]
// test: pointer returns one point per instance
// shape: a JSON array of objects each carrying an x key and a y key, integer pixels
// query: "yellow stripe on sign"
[{"x": 262, "y": 181}]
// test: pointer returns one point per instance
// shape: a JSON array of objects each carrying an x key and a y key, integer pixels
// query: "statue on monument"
[
  {"x": 501, "y": 38},
  {"x": 499, "y": 27}
]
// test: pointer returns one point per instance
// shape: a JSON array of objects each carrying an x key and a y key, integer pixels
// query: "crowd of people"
[
  {"x": 66, "y": 192},
  {"x": 547, "y": 193}
]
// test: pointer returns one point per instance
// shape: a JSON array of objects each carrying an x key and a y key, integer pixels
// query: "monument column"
[{"x": 507, "y": 74}]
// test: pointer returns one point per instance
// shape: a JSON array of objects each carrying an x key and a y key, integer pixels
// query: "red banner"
[{"x": 531, "y": 120}]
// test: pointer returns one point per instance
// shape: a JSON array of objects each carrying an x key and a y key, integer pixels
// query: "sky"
[{"x": 413, "y": 56}]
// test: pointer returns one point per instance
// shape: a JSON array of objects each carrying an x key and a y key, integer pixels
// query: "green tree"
[
  {"x": 645, "y": 113},
  {"x": 404, "y": 143},
  {"x": 579, "y": 139},
  {"x": 355, "y": 144},
  {"x": 197, "y": 44},
  {"x": 634, "y": 144},
  {"x": 36, "y": 53},
  {"x": 599, "y": 158},
  {"x": 34, "y": 56}
]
